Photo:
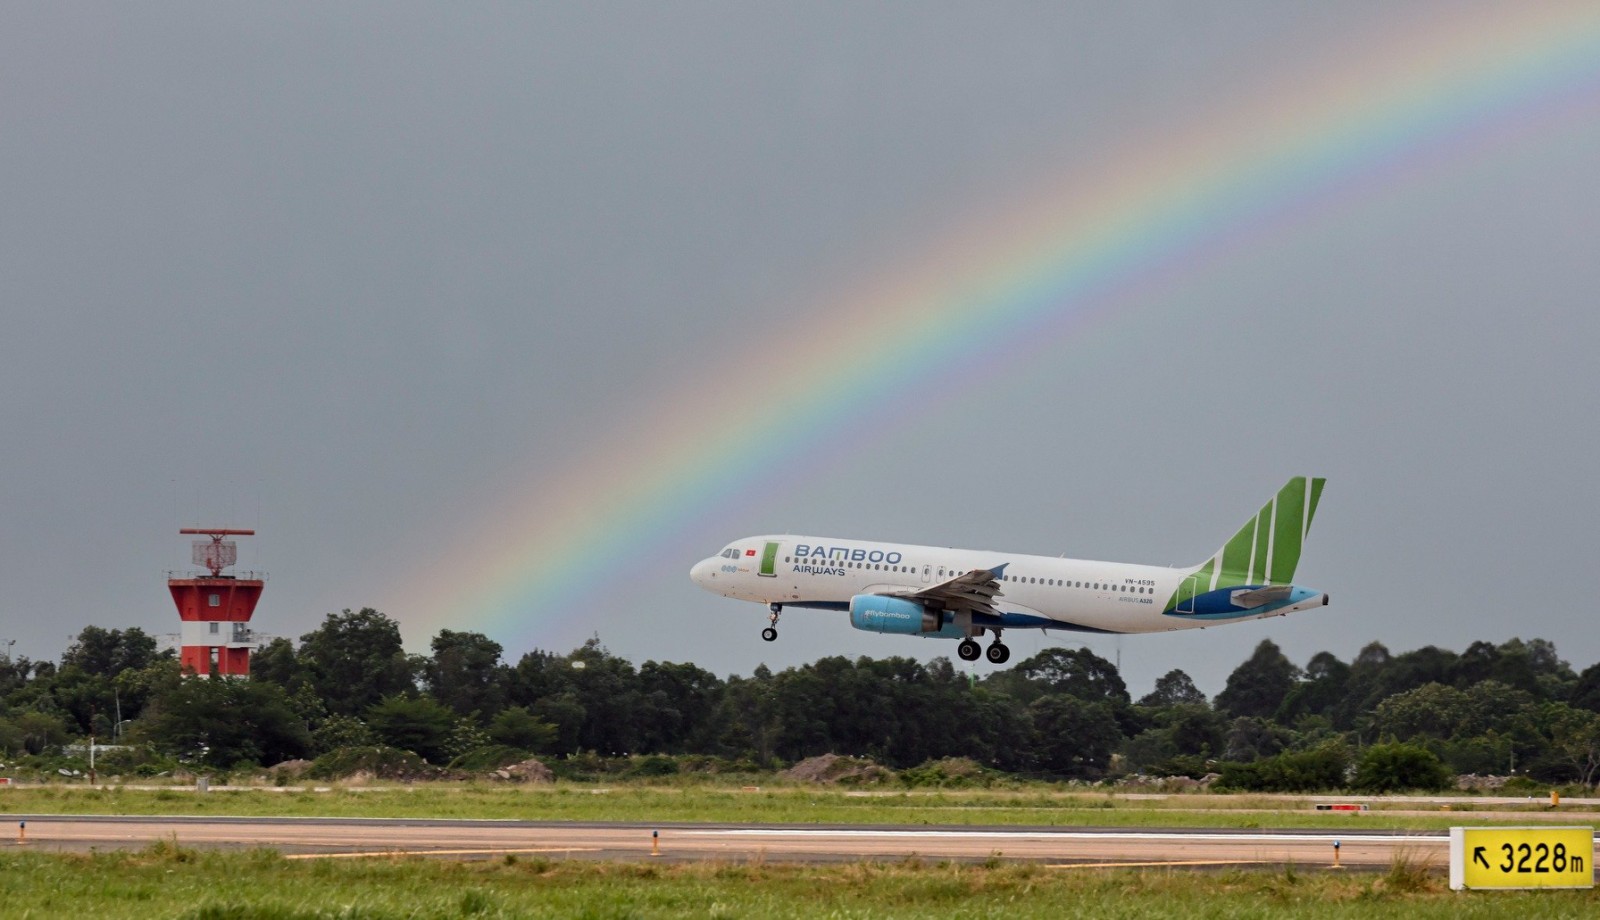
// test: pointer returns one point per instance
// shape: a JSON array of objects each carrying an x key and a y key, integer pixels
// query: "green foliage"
[
  {"x": 415, "y": 723},
  {"x": 336, "y": 732},
  {"x": 466, "y": 736},
  {"x": 1476, "y": 730},
  {"x": 1073, "y": 739},
  {"x": 1585, "y": 690},
  {"x": 489, "y": 757},
  {"x": 949, "y": 773},
  {"x": 652, "y": 765},
  {"x": 168, "y": 880},
  {"x": 1399, "y": 767},
  {"x": 1324, "y": 688},
  {"x": 109, "y": 652},
  {"x": 565, "y": 716},
  {"x": 1174, "y": 688},
  {"x": 518, "y": 727},
  {"x": 465, "y": 673},
  {"x": 1296, "y": 771},
  {"x": 278, "y": 663},
  {"x": 35, "y": 732},
  {"x": 1075, "y": 672},
  {"x": 221, "y": 722},
  {"x": 1253, "y": 738},
  {"x": 355, "y": 660},
  {"x": 1060, "y": 713},
  {"x": 1258, "y": 687},
  {"x": 1574, "y": 740},
  {"x": 379, "y": 761},
  {"x": 1524, "y": 785}
]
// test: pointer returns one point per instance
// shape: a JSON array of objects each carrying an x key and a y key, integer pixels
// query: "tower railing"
[{"x": 174, "y": 574}]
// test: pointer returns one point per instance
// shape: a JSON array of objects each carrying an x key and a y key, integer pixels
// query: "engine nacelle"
[{"x": 883, "y": 614}]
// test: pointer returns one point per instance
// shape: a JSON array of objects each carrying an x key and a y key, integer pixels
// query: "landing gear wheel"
[
  {"x": 769, "y": 634},
  {"x": 998, "y": 654},
  {"x": 968, "y": 650}
]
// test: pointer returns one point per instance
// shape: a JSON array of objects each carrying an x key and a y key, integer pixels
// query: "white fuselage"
[{"x": 827, "y": 572}]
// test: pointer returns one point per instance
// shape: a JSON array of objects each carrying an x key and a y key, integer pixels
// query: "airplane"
[{"x": 938, "y": 592}]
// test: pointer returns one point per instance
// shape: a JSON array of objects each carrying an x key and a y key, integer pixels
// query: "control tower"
[{"x": 216, "y": 637}]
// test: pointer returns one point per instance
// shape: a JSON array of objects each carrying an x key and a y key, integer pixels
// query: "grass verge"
[{"x": 167, "y": 880}]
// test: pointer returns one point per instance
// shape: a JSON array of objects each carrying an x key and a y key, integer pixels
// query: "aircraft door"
[
  {"x": 927, "y": 574},
  {"x": 1192, "y": 587}
]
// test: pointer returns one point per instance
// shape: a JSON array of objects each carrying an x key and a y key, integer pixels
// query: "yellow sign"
[{"x": 1521, "y": 857}]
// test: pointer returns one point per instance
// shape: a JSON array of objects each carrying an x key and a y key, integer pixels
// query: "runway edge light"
[{"x": 1519, "y": 858}]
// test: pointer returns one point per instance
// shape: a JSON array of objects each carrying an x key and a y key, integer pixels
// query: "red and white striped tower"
[{"x": 216, "y": 637}]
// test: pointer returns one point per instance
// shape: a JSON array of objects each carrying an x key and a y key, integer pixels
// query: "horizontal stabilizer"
[{"x": 1249, "y": 598}]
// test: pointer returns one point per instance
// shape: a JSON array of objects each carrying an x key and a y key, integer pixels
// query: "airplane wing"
[
  {"x": 1259, "y": 597},
  {"x": 973, "y": 592}
]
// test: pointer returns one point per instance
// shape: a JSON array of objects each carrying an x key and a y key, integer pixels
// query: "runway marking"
[
  {"x": 1170, "y": 862},
  {"x": 376, "y": 854},
  {"x": 1074, "y": 835}
]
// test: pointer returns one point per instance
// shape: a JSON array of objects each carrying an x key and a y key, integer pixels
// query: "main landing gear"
[
  {"x": 997, "y": 653},
  {"x": 771, "y": 632}
]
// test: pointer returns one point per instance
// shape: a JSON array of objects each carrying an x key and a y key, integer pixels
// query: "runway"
[{"x": 1066, "y": 848}]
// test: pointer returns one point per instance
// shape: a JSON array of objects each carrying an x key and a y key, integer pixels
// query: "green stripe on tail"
[{"x": 1266, "y": 550}]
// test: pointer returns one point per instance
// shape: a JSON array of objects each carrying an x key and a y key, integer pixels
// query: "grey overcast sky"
[{"x": 343, "y": 272}]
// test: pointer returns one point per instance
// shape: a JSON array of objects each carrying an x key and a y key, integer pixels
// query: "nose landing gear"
[{"x": 771, "y": 632}]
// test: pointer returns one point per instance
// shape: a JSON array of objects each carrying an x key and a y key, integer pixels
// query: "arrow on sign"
[{"x": 1477, "y": 857}]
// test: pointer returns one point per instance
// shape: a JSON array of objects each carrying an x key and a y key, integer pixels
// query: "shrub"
[
  {"x": 1524, "y": 785},
  {"x": 488, "y": 757},
  {"x": 652, "y": 765},
  {"x": 381, "y": 762},
  {"x": 951, "y": 772},
  {"x": 1395, "y": 767},
  {"x": 1295, "y": 771}
]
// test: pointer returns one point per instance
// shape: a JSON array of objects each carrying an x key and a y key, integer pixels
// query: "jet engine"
[{"x": 884, "y": 614}]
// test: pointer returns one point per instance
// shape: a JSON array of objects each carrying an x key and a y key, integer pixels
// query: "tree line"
[{"x": 1417, "y": 717}]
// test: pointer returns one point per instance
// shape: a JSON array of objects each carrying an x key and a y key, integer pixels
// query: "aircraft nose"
[{"x": 702, "y": 571}]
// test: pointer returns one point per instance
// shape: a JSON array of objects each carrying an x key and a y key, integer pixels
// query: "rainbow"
[{"x": 1155, "y": 214}]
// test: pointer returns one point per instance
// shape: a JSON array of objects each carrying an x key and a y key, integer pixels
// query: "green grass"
[
  {"x": 169, "y": 881},
  {"x": 780, "y": 805}
]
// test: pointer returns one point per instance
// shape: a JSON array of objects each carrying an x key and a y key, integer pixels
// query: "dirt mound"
[
  {"x": 832, "y": 768},
  {"x": 528, "y": 771}
]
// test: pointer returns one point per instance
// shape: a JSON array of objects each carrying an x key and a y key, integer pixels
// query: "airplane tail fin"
[{"x": 1266, "y": 549}]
